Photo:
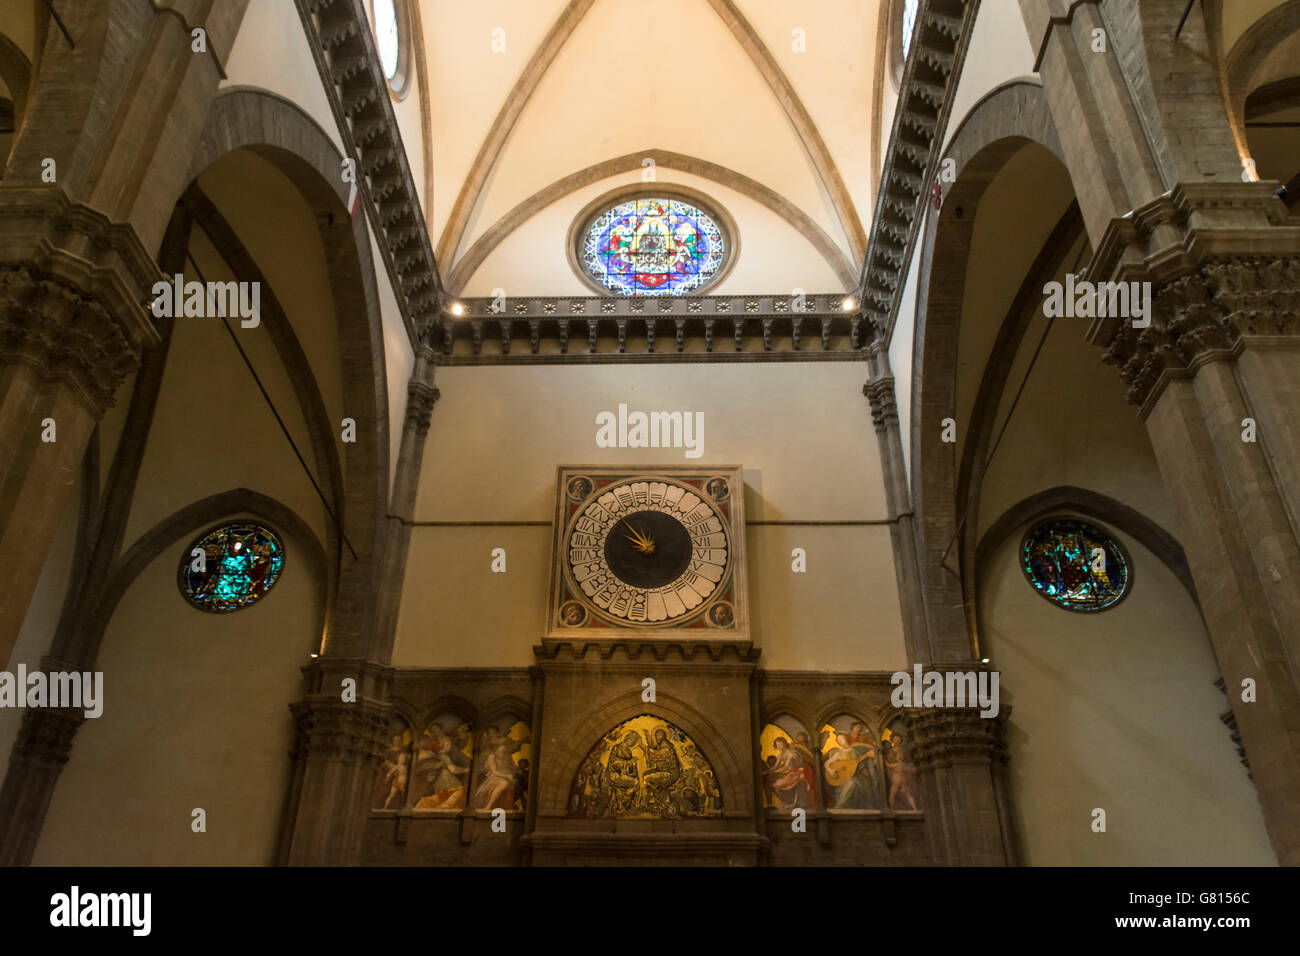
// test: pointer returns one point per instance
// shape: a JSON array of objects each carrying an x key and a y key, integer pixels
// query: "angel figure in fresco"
[
  {"x": 850, "y": 770},
  {"x": 447, "y": 767},
  {"x": 663, "y": 769},
  {"x": 387, "y": 777},
  {"x": 790, "y": 777},
  {"x": 899, "y": 771},
  {"x": 621, "y": 774},
  {"x": 500, "y": 777},
  {"x": 397, "y": 774}
]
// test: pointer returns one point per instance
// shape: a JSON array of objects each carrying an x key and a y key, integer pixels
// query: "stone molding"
[
  {"x": 884, "y": 407},
  {"x": 925, "y": 98},
  {"x": 45, "y": 737},
  {"x": 420, "y": 399}
]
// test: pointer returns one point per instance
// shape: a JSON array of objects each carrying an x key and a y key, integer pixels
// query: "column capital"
[
  {"x": 942, "y": 735},
  {"x": 45, "y": 736},
  {"x": 332, "y": 728},
  {"x": 72, "y": 288},
  {"x": 420, "y": 399},
  {"x": 1203, "y": 314},
  {"x": 884, "y": 406}
]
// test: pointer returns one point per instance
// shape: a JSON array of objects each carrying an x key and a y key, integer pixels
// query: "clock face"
[{"x": 647, "y": 552}]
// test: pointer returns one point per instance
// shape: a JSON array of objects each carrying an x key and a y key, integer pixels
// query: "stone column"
[
  {"x": 336, "y": 757},
  {"x": 72, "y": 327},
  {"x": 340, "y": 743},
  {"x": 960, "y": 757},
  {"x": 879, "y": 391},
  {"x": 1221, "y": 349},
  {"x": 421, "y": 396},
  {"x": 43, "y": 746}
]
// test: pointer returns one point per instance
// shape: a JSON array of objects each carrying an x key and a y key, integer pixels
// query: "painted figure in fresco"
[
  {"x": 500, "y": 777},
  {"x": 663, "y": 769},
  {"x": 448, "y": 769},
  {"x": 790, "y": 777},
  {"x": 622, "y": 777},
  {"x": 385, "y": 781},
  {"x": 899, "y": 772},
  {"x": 851, "y": 775},
  {"x": 396, "y": 776}
]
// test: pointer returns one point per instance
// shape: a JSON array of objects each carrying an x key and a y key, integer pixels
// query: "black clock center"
[{"x": 648, "y": 549}]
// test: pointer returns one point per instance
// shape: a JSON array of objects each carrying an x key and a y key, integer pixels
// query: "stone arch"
[
  {"x": 1099, "y": 507},
  {"x": 16, "y": 71},
  {"x": 279, "y": 131},
  {"x": 764, "y": 195},
  {"x": 730, "y": 765},
  {"x": 189, "y": 521},
  {"x": 1002, "y": 123}
]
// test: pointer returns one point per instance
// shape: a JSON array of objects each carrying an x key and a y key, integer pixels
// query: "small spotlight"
[
  {"x": 984, "y": 660},
  {"x": 457, "y": 309},
  {"x": 848, "y": 305},
  {"x": 314, "y": 655}
]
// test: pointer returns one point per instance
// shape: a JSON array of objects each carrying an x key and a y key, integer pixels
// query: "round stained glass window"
[
  {"x": 231, "y": 567},
  {"x": 386, "y": 38},
  {"x": 649, "y": 246},
  {"x": 1075, "y": 565},
  {"x": 909, "y": 23}
]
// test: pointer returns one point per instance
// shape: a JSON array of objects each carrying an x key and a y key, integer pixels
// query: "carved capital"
[
  {"x": 53, "y": 327},
  {"x": 332, "y": 729},
  {"x": 941, "y": 735},
  {"x": 420, "y": 399},
  {"x": 1202, "y": 313},
  {"x": 884, "y": 408},
  {"x": 45, "y": 737}
]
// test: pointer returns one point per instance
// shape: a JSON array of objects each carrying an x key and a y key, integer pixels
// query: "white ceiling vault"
[{"x": 536, "y": 107}]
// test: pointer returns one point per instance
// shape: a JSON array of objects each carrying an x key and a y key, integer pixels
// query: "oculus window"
[
  {"x": 653, "y": 246},
  {"x": 1075, "y": 565},
  {"x": 230, "y": 567}
]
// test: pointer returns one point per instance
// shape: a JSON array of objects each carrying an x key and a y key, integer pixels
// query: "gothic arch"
[
  {"x": 1090, "y": 504},
  {"x": 279, "y": 131},
  {"x": 190, "y": 520},
  {"x": 563, "y": 757},
  {"x": 1251, "y": 53},
  {"x": 1002, "y": 123},
  {"x": 770, "y": 198}
]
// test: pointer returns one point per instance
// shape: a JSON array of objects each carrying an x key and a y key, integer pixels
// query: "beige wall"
[
  {"x": 1117, "y": 710},
  {"x": 801, "y": 431},
  {"x": 196, "y": 714}
]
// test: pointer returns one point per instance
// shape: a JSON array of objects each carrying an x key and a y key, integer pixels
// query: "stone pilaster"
[
  {"x": 1216, "y": 376},
  {"x": 960, "y": 757},
  {"x": 43, "y": 746},
  {"x": 72, "y": 328},
  {"x": 879, "y": 391},
  {"x": 336, "y": 757}
]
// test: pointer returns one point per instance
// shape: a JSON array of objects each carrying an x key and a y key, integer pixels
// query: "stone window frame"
[
  {"x": 577, "y": 231},
  {"x": 399, "y": 86}
]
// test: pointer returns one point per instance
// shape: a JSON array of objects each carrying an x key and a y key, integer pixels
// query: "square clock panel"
[{"x": 652, "y": 552}]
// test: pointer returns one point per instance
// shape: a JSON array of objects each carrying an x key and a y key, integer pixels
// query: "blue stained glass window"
[
  {"x": 653, "y": 247},
  {"x": 231, "y": 567},
  {"x": 1074, "y": 565}
]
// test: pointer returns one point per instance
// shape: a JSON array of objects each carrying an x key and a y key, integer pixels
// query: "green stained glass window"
[
  {"x": 1075, "y": 565},
  {"x": 231, "y": 567}
]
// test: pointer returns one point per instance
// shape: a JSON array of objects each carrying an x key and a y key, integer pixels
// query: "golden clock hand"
[{"x": 644, "y": 543}]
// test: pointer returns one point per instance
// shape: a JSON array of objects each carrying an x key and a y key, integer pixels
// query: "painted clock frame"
[{"x": 723, "y": 614}]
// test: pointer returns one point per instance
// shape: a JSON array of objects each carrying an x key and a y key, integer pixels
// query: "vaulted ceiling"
[{"x": 538, "y": 108}]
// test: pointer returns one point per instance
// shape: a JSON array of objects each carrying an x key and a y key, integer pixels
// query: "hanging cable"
[
  {"x": 988, "y": 460},
  {"x": 271, "y": 405}
]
